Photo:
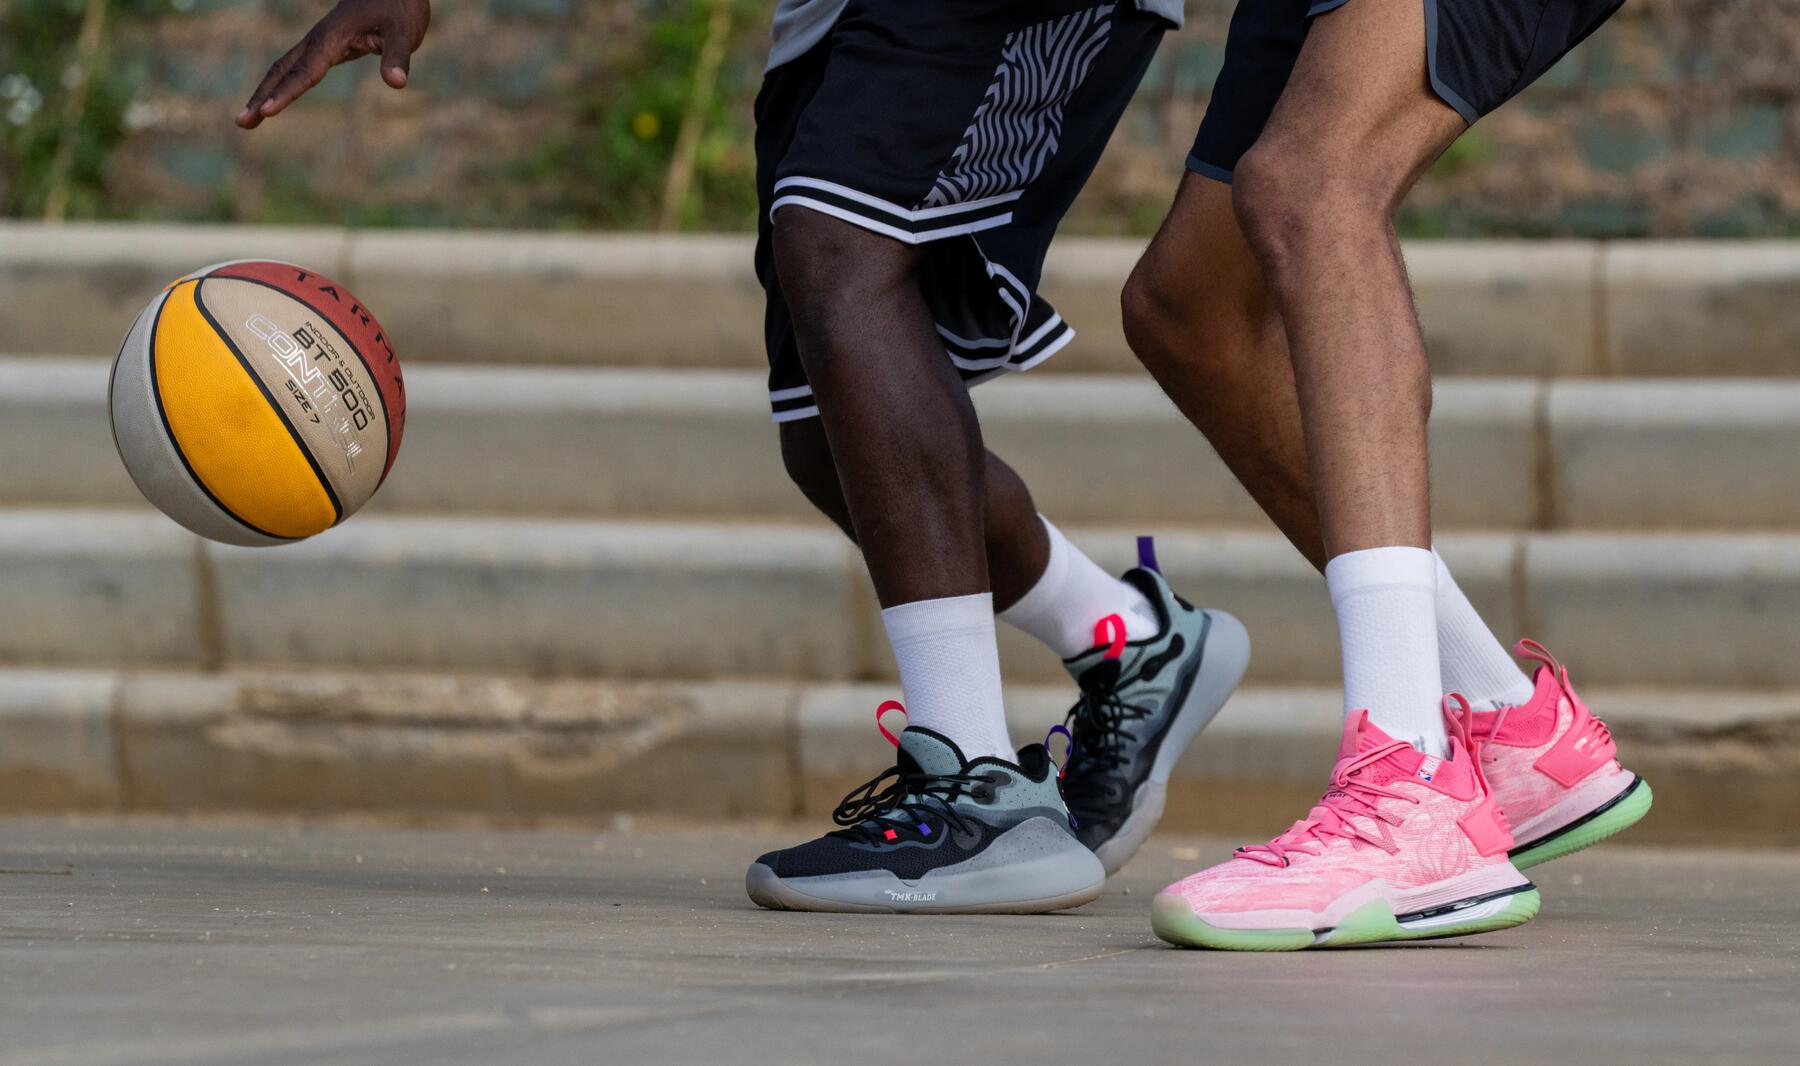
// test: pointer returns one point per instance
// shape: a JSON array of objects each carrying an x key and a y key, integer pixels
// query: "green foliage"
[
  {"x": 608, "y": 166},
  {"x": 37, "y": 73}
]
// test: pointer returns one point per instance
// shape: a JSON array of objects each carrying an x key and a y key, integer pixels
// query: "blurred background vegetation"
[{"x": 1678, "y": 118}]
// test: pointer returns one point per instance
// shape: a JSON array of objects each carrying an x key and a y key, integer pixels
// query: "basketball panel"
[
  {"x": 150, "y": 456},
  {"x": 233, "y": 438},
  {"x": 352, "y": 320},
  {"x": 307, "y": 365}
]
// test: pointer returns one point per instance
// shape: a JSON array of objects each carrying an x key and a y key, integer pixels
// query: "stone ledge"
[
  {"x": 1489, "y": 308},
  {"x": 424, "y": 746},
  {"x": 561, "y": 598},
  {"x": 1508, "y": 454}
]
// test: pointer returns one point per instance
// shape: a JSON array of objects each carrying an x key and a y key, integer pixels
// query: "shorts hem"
[
  {"x": 796, "y": 403},
  {"x": 904, "y": 224},
  {"x": 1450, "y": 96},
  {"x": 1208, "y": 170}
]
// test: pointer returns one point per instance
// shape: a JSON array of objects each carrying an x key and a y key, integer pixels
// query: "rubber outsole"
[
  {"x": 1373, "y": 923},
  {"x": 772, "y": 893},
  {"x": 1623, "y": 812}
]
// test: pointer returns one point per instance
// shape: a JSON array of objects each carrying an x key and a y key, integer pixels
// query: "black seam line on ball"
[
  {"x": 337, "y": 508},
  {"x": 169, "y": 431},
  {"x": 386, "y": 420}
]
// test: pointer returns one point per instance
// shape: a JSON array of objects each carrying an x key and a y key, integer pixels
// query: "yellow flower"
[{"x": 645, "y": 126}]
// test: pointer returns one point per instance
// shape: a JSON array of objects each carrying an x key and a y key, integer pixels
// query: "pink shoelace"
[{"x": 1347, "y": 798}]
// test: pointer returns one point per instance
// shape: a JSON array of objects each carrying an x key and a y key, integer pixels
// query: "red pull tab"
[
  {"x": 1110, "y": 631},
  {"x": 886, "y": 706}
]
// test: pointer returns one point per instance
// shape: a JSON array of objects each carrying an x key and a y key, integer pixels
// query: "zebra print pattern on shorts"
[{"x": 1016, "y": 129}]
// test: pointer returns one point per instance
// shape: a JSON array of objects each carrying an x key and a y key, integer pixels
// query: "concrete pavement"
[{"x": 143, "y": 943}]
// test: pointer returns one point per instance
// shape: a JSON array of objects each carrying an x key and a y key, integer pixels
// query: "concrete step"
[
  {"x": 791, "y": 601},
  {"x": 1689, "y": 308},
  {"x": 433, "y": 746},
  {"x": 1508, "y": 454}
]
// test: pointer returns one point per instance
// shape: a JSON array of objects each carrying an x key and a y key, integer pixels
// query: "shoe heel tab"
[
  {"x": 1146, "y": 552},
  {"x": 1533, "y": 651}
]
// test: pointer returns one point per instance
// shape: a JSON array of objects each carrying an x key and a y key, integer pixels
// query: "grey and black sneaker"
[
  {"x": 938, "y": 834},
  {"x": 1142, "y": 702}
]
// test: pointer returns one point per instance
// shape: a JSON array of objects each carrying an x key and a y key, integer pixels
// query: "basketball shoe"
[
  {"x": 1555, "y": 768},
  {"x": 941, "y": 834},
  {"x": 1142, "y": 702},
  {"x": 1403, "y": 846}
]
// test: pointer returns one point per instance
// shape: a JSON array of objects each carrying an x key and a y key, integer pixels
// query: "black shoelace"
[
  {"x": 871, "y": 808},
  {"x": 1101, "y": 723}
]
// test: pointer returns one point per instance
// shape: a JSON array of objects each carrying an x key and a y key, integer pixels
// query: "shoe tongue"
[
  {"x": 1093, "y": 674},
  {"x": 929, "y": 752},
  {"x": 1362, "y": 735}
]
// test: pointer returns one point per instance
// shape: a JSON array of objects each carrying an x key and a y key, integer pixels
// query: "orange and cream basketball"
[{"x": 257, "y": 403}]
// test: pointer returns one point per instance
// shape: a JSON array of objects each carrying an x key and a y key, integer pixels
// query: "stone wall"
[{"x": 1677, "y": 118}]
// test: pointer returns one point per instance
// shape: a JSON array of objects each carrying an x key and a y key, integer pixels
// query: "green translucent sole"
[
  {"x": 1617, "y": 818},
  {"x": 1372, "y": 923}
]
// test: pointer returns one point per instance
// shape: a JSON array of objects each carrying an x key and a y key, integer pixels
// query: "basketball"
[{"x": 257, "y": 403}]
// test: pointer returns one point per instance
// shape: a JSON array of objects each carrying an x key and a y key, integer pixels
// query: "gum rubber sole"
[
  {"x": 770, "y": 892},
  {"x": 1620, "y": 814},
  {"x": 1372, "y": 923}
]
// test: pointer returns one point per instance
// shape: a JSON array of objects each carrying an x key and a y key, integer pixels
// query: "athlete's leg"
[
  {"x": 1199, "y": 314},
  {"x": 1018, "y": 548},
  {"x": 1200, "y": 317},
  {"x": 1354, "y": 128},
  {"x": 908, "y": 449}
]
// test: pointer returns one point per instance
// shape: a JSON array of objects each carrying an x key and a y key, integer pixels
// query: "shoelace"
[
  {"x": 1337, "y": 814},
  {"x": 869, "y": 810},
  {"x": 1100, "y": 726},
  {"x": 1349, "y": 798}
]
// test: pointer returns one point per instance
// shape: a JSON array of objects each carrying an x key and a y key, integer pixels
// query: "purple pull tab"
[
  {"x": 1147, "y": 555},
  {"x": 1068, "y": 756}
]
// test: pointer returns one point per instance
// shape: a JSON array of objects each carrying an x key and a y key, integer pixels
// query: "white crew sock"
[
  {"x": 1386, "y": 601},
  {"x": 950, "y": 670},
  {"x": 1072, "y": 596},
  {"x": 1470, "y": 660}
]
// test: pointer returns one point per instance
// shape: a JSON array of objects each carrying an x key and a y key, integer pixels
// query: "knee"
[
  {"x": 1156, "y": 307},
  {"x": 807, "y": 458},
  {"x": 828, "y": 265},
  {"x": 1290, "y": 199},
  {"x": 1180, "y": 318}
]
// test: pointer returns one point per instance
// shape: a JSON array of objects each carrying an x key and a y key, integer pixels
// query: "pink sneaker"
[
  {"x": 1554, "y": 768},
  {"x": 1404, "y": 846}
]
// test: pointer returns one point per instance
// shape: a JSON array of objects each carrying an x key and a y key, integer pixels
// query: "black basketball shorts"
[
  {"x": 1480, "y": 54},
  {"x": 965, "y": 126}
]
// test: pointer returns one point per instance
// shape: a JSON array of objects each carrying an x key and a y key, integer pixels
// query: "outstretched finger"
[
  {"x": 307, "y": 71},
  {"x": 251, "y": 115}
]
